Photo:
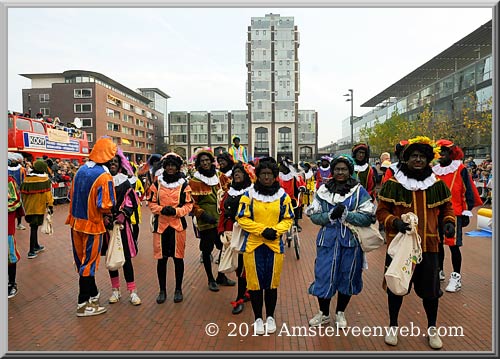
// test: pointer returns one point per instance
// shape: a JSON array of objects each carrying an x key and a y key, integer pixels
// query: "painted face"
[
  {"x": 266, "y": 177},
  {"x": 205, "y": 162},
  {"x": 238, "y": 176},
  {"x": 170, "y": 168},
  {"x": 341, "y": 172},
  {"x": 417, "y": 161},
  {"x": 222, "y": 162},
  {"x": 360, "y": 155},
  {"x": 114, "y": 165},
  {"x": 445, "y": 159}
]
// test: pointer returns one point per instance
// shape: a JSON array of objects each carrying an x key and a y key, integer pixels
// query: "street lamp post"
[{"x": 351, "y": 98}]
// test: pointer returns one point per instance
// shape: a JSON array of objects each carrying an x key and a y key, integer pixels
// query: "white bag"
[
  {"x": 47, "y": 224},
  {"x": 406, "y": 251},
  {"x": 229, "y": 258},
  {"x": 369, "y": 238},
  {"x": 238, "y": 237},
  {"x": 115, "y": 257}
]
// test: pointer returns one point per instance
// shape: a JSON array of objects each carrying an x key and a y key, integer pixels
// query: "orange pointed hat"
[{"x": 104, "y": 150}]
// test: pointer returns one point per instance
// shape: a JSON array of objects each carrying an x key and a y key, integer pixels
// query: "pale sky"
[{"x": 197, "y": 56}]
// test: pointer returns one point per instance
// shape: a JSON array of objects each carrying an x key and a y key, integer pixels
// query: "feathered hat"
[
  {"x": 172, "y": 158},
  {"x": 425, "y": 145},
  {"x": 456, "y": 152}
]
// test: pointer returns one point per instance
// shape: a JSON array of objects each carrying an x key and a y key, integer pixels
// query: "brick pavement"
[{"x": 42, "y": 316}]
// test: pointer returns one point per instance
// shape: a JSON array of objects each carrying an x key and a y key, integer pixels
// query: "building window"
[
  {"x": 82, "y": 107},
  {"x": 45, "y": 111},
  {"x": 82, "y": 93},
  {"x": 113, "y": 127},
  {"x": 284, "y": 139},
  {"x": 86, "y": 122},
  {"x": 44, "y": 97},
  {"x": 261, "y": 141},
  {"x": 90, "y": 137}
]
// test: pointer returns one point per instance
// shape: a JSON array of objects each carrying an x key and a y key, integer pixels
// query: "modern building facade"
[
  {"x": 444, "y": 84},
  {"x": 104, "y": 106},
  {"x": 272, "y": 125},
  {"x": 190, "y": 131}
]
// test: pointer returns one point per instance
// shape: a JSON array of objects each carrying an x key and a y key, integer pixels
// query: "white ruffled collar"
[
  {"x": 267, "y": 199},
  {"x": 91, "y": 164},
  {"x": 211, "y": 181},
  {"x": 308, "y": 174},
  {"x": 175, "y": 184},
  {"x": 451, "y": 168},
  {"x": 232, "y": 192},
  {"x": 132, "y": 179},
  {"x": 412, "y": 184},
  {"x": 32, "y": 174},
  {"x": 286, "y": 177},
  {"x": 228, "y": 174},
  {"x": 362, "y": 168},
  {"x": 334, "y": 198},
  {"x": 119, "y": 178},
  {"x": 15, "y": 168}
]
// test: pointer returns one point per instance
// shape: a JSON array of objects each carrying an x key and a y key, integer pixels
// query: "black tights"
[
  {"x": 242, "y": 281},
  {"x": 257, "y": 298},
  {"x": 207, "y": 264},
  {"x": 33, "y": 237},
  {"x": 342, "y": 301},
  {"x": 161, "y": 270},
  {"x": 128, "y": 271},
  {"x": 456, "y": 257},
  {"x": 430, "y": 305},
  {"x": 88, "y": 289},
  {"x": 12, "y": 273}
]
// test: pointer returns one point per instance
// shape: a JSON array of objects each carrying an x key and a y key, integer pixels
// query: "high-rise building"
[
  {"x": 272, "y": 125},
  {"x": 273, "y": 86}
]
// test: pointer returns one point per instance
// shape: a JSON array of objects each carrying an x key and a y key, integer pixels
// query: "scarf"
[
  {"x": 267, "y": 190},
  {"x": 342, "y": 188}
]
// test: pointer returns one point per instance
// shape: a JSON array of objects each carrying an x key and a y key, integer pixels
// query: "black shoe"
[
  {"x": 39, "y": 248},
  {"x": 238, "y": 309},
  {"x": 162, "y": 297},
  {"x": 299, "y": 228},
  {"x": 213, "y": 286},
  {"x": 178, "y": 296},
  {"x": 12, "y": 290},
  {"x": 223, "y": 280}
]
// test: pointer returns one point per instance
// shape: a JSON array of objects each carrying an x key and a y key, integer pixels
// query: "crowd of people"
[{"x": 265, "y": 198}]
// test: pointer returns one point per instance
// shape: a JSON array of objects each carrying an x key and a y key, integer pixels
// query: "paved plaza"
[{"x": 42, "y": 317}]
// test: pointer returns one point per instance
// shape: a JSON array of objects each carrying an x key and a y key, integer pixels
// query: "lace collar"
[
  {"x": 266, "y": 199},
  {"x": 451, "y": 168},
  {"x": 362, "y": 168},
  {"x": 175, "y": 184},
  {"x": 228, "y": 174},
  {"x": 412, "y": 184},
  {"x": 286, "y": 177},
  {"x": 308, "y": 174},
  {"x": 119, "y": 178},
  {"x": 334, "y": 198},
  {"x": 211, "y": 181},
  {"x": 232, "y": 192},
  {"x": 15, "y": 168},
  {"x": 132, "y": 179},
  {"x": 32, "y": 174}
]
